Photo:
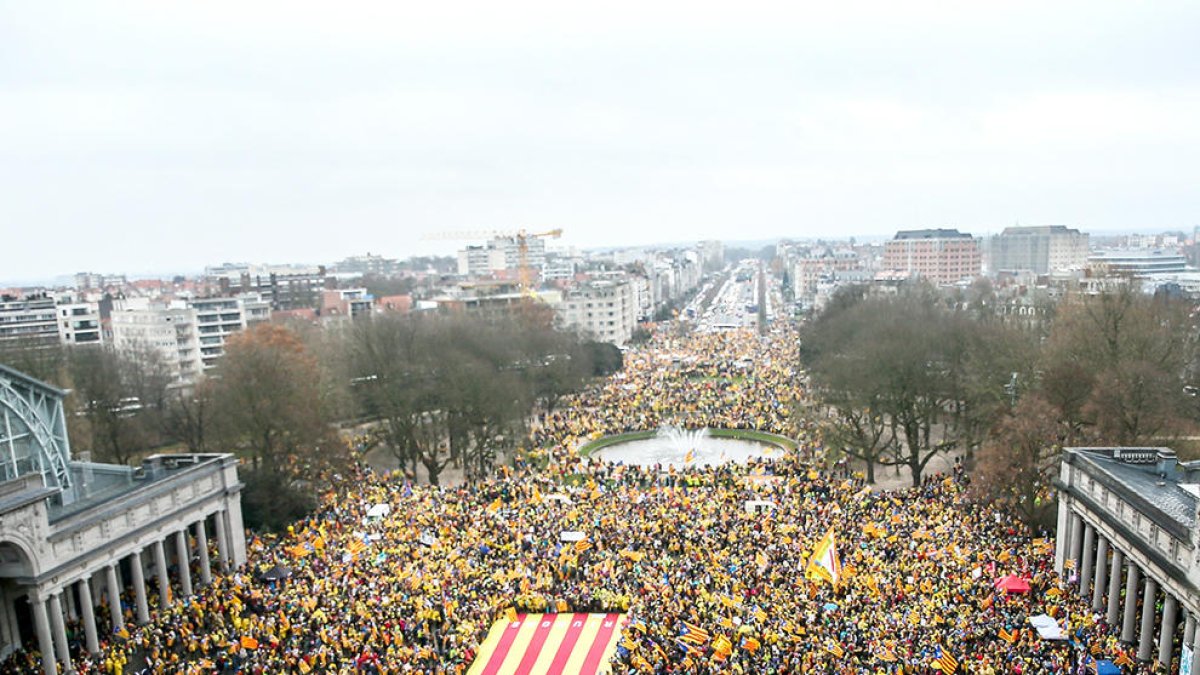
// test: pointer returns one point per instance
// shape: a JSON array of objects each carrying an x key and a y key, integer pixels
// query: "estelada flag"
[{"x": 824, "y": 562}]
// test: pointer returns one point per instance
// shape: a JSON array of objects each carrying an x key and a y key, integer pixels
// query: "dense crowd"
[{"x": 416, "y": 591}]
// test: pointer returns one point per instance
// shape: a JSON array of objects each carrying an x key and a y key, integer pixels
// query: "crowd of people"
[{"x": 674, "y": 548}]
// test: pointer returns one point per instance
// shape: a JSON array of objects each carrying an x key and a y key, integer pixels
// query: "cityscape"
[{"x": 625, "y": 339}]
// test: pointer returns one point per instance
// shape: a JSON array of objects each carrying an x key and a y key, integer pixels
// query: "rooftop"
[
  {"x": 931, "y": 234},
  {"x": 1153, "y": 478}
]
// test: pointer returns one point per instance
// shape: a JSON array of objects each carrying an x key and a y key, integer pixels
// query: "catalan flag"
[
  {"x": 538, "y": 644},
  {"x": 582, "y": 545},
  {"x": 694, "y": 634},
  {"x": 1008, "y": 636},
  {"x": 946, "y": 662},
  {"x": 824, "y": 563},
  {"x": 1123, "y": 660}
]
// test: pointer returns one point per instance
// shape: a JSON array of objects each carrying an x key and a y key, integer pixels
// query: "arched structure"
[
  {"x": 73, "y": 535},
  {"x": 33, "y": 432}
]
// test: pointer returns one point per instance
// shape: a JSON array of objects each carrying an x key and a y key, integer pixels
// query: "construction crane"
[{"x": 525, "y": 272}]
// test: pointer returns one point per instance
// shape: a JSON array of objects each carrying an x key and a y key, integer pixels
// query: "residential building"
[
  {"x": 501, "y": 256},
  {"x": 79, "y": 323},
  {"x": 941, "y": 256},
  {"x": 282, "y": 286},
  {"x": 172, "y": 332},
  {"x": 605, "y": 309},
  {"x": 347, "y": 302},
  {"x": 1042, "y": 250},
  {"x": 32, "y": 319},
  {"x": 218, "y": 318},
  {"x": 367, "y": 264},
  {"x": 1129, "y": 518}
]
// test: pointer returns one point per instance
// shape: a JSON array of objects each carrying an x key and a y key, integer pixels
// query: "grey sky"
[{"x": 155, "y": 136}]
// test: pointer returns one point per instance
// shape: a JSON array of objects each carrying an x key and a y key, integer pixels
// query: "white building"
[
  {"x": 218, "y": 318},
  {"x": 501, "y": 255},
  {"x": 79, "y": 323},
  {"x": 73, "y": 533},
  {"x": 29, "y": 319},
  {"x": 170, "y": 331},
  {"x": 1127, "y": 518},
  {"x": 604, "y": 309}
]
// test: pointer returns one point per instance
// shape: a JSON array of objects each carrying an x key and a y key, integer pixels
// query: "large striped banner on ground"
[{"x": 549, "y": 644}]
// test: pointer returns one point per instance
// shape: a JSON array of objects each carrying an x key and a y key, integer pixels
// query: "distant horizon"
[{"x": 66, "y": 279}]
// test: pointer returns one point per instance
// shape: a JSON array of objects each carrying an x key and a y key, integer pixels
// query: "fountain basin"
[{"x": 670, "y": 447}]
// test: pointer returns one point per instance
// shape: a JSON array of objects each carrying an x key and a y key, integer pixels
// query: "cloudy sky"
[{"x": 156, "y": 136}]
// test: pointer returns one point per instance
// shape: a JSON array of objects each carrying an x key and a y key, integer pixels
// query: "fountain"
[{"x": 675, "y": 446}]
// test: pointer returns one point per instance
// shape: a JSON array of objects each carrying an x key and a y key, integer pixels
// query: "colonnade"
[
  {"x": 77, "y": 600},
  {"x": 1101, "y": 567}
]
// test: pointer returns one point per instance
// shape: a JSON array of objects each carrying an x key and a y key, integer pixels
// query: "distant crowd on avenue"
[{"x": 707, "y": 586}]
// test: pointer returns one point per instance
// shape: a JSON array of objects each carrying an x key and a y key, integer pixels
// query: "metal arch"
[{"x": 43, "y": 420}]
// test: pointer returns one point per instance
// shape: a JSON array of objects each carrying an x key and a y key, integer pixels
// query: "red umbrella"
[{"x": 1012, "y": 584}]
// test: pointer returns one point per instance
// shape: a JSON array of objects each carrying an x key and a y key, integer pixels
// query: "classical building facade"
[
  {"x": 1127, "y": 533},
  {"x": 75, "y": 535}
]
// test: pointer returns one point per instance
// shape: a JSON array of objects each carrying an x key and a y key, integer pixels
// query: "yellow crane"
[{"x": 525, "y": 273}]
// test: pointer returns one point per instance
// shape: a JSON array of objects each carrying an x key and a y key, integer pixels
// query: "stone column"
[
  {"x": 1131, "y": 591},
  {"x": 114, "y": 598},
  {"x": 1146, "y": 636},
  {"x": 202, "y": 549},
  {"x": 88, "y": 614},
  {"x": 222, "y": 541},
  {"x": 1114, "y": 589},
  {"x": 139, "y": 587},
  {"x": 1062, "y": 533},
  {"x": 1085, "y": 567},
  {"x": 1192, "y": 641},
  {"x": 1166, "y": 633},
  {"x": 1101, "y": 580},
  {"x": 68, "y": 600},
  {"x": 236, "y": 531},
  {"x": 59, "y": 628},
  {"x": 164, "y": 581},
  {"x": 185, "y": 562},
  {"x": 1076, "y": 539},
  {"x": 45, "y": 643}
]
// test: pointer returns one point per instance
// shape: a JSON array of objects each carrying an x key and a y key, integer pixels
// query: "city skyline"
[{"x": 147, "y": 140}]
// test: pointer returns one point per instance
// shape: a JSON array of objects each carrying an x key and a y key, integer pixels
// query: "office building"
[
  {"x": 1041, "y": 250},
  {"x": 940, "y": 256}
]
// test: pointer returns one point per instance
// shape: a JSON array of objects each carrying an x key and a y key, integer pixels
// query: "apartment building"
[
  {"x": 170, "y": 331},
  {"x": 218, "y": 318},
  {"x": 32, "y": 319},
  {"x": 604, "y": 309}
]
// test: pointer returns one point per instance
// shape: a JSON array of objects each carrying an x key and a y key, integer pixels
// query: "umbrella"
[
  {"x": 1012, "y": 584},
  {"x": 276, "y": 573}
]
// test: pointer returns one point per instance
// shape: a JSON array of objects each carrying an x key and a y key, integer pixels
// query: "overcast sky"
[{"x": 156, "y": 136}]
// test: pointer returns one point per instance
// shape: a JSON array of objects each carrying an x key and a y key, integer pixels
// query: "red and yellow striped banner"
[{"x": 549, "y": 644}]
